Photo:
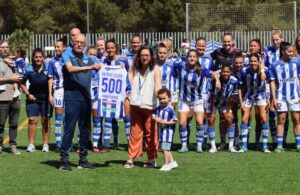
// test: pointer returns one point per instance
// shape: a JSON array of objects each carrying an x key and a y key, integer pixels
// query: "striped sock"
[
  {"x": 127, "y": 126},
  {"x": 96, "y": 130},
  {"x": 264, "y": 132},
  {"x": 205, "y": 136},
  {"x": 200, "y": 133},
  {"x": 230, "y": 132},
  {"x": 279, "y": 140},
  {"x": 273, "y": 127},
  {"x": 188, "y": 131},
  {"x": 107, "y": 132},
  {"x": 58, "y": 132},
  {"x": 183, "y": 135},
  {"x": 211, "y": 134},
  {"x": 297, "y": 137},
  {"x": 244, "y": 128}
]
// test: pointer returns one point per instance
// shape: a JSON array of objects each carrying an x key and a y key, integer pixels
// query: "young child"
[{"x": 166, "y": 119}]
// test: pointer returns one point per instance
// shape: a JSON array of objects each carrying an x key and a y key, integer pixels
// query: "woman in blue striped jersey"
[{"x": 191, "y": 76}]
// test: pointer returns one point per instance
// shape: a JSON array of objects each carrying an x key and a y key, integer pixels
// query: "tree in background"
[{"x": 20, "y": 39}]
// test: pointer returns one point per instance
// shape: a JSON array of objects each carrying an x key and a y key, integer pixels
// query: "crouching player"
[
  {"x": 166, "y": 119},
  {"x": 223, "y": 100},
  {"x": 285, "y": 91},
  {"x": 253, "y": 81}
]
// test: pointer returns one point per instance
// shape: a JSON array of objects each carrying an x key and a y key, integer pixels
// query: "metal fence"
[{"x": 241, "y": 38}]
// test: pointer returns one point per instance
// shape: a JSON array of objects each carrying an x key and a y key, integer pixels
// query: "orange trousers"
[{"x": 142, "y": 123}]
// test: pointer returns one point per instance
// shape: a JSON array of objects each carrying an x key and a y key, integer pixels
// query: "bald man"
[
  {"x": 77, "y": 73},
  {"x": 73, "y": 32}
]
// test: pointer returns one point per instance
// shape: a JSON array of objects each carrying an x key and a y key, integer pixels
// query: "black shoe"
[
  {"x": 65, "y": 166},
  {"x": 85, "y": 165}
]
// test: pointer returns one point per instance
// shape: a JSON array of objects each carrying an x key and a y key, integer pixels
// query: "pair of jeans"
[
  {"x": 76, "y": 111},
  {"x": 10, "y": 109}
]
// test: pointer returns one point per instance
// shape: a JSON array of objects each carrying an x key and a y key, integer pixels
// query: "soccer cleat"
[
  {"x": 165, "y": 167},
  {"x": 232, "y": 150},
  {"x": 45, "y": 148},
  {"x": 115, "y": 146},
  {"x": 65, "y": 166},
  {"x": 298, "y": 148},
  {"x": 183, "y": 149},
  {"x": 243, "y": 149},
  {"x": 213, "y": 150},
  {"x": 85, "y": 165},
  {"x": 95, "y": 150},
  {"x": 173, "y": 164},
  {"x": 266, "y": 150},
  {"x": 30, "y": 148},
  {"x": 199, "y": 150},
  {"x": 222, "y": 146},
  {"x": 1, "y": 148},
  {"x": 150, "y": 164},
  {"x": 14, "y": 150},
  {"x": 279, "y": 150},
  {"x": 57, "y": 150}
]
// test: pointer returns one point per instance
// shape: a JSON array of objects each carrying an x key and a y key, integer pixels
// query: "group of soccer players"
[{"x": 202, "y": 84}]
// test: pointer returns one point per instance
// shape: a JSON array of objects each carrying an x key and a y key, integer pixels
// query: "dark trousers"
[
  {"x": 10, "y": 109},
  {"x": 76, "y": 111}
]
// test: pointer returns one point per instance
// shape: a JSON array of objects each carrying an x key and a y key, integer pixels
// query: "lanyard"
[{"x": 140, "y": 82}]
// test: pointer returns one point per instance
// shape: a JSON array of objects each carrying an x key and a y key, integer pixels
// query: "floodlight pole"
[
  {"x": 187, "y": 20},
  {"x": 295, "y": 18},
  {"x": 87, "y": 22}
]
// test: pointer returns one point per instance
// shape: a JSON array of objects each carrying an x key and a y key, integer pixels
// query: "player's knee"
[{"x": 33, "y": 120}]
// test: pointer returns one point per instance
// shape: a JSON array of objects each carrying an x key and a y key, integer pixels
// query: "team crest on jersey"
[{"x": 85, "y": 61}]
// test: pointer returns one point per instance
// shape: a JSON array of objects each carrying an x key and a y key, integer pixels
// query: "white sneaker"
[
  {"x": 213, "y": 150},
  {"x": 45, "y": 148},
  {"x": 30, "y": 148},
  {"x": 165, "y": 168},
  {"x": 231, "y": 149},
  {"x": 173, "y": 164}
]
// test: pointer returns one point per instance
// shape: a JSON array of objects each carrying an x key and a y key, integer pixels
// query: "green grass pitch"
[{"x": 221, "y": 173}]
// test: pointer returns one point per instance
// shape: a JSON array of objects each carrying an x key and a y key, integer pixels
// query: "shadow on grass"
[
  {"x": 122, "y": 162},
  {"x": 56, "y": 164}
]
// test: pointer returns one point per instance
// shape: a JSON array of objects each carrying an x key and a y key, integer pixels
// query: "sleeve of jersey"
[
  {"x": 266, "y": 59},
  {"x": 126, "y": 64},
  {"x": 25, "y": 77},
  {"x": 50, "y": 67},
  {"x": 298, "y": 67},
  {"x": 206, "y": 73},
  {"x": 272, "y": 72},
  {"x": 128, "y": 85},
  {"x": 173, "y": 115},
  {"x": 65, "y": 58},
  {"x": 242, "y": 78},
  {"x": 176, "y": 69},
  {"x": 235, "y": 88}
]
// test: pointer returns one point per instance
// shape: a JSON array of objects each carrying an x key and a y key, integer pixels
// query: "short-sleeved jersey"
[
  {"x": 271, "y": 55},
  {"x": 255, "y": 88},
  {"x": 222, "y": 57},
  {"x": 286, "y": 77},
  {"x": 55, "y": 72},
  {"x": 228, "y": 88},
  {"x": 130, "y": 56},
  {"x": 206, "y": 62},
  {"x": 166, "y": 131},
  {"x": 190, "y": 84},
  {"x": 38, "y": 81},
  {"x": 167, "y": 79},
  {"x": 77, "y": 86},
  {"x": 113, "y": 86}
]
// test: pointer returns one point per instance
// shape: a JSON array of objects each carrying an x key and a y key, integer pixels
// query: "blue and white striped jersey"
[
  {"x": 130, "y": 56},
  {"x": 167, "y": 79},
  {"x": 55, "y": 71},
  {"x": 286, "y": 76},
  {"x": 117, "y": 61},
  {"x": 206, "y": 62},
  {"x": 228, "y": 88},
  {"x": 255, "y": 87},
  {"x": 190, "y": 84},
  {"x": 20, "y": 65},
  {"x": 101, "y": 57},
  {"x": 271, "y": 55},
  {"x": 166, "y": 132}
]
